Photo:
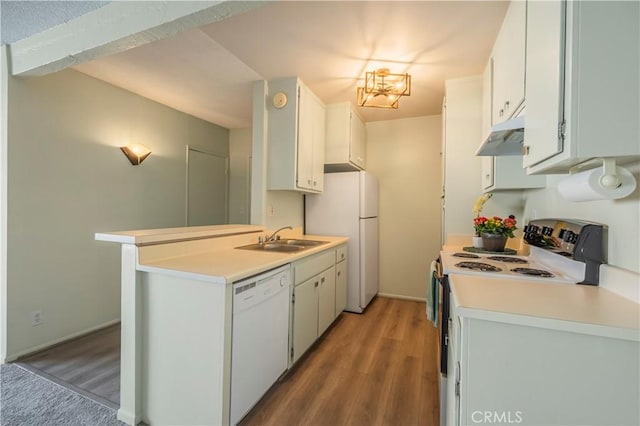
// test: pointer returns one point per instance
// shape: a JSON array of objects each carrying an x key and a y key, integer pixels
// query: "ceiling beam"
[{"x": 116, "y": 27}]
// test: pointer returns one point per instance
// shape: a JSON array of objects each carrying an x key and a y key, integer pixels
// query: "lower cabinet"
[
  {"x": 341, "y": 287},
  {"x": 305, "y": 317},
  {"x": 508, "y": 372},
  {"x": 319, "y": 295}
]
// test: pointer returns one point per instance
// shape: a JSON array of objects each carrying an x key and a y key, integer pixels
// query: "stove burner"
[
  {"x": 533, "y": 272},
  {"x": 467, "y": 255},
  {"x": 507, "y": 259},
  {"x": 478, "y": 266}
]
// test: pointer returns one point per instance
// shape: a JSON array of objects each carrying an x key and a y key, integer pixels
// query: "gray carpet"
[{"x": 27, "y": 399}]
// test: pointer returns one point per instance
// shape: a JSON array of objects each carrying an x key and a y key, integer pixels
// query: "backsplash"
[{"x": 622, "y": 217}]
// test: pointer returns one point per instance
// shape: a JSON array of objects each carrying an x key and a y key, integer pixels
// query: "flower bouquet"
[{"x": 495, "y": 231}]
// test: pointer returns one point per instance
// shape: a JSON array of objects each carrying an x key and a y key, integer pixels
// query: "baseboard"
[
  {"x": 49, "y": 345},
  {"x": 399, "y": 296}
]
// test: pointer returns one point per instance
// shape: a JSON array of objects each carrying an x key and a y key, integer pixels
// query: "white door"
[
  {"x": 368, "y": 260},
  {"x": 207, "y": 183}
]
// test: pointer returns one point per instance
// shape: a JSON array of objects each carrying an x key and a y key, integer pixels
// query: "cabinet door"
[
  {"x": 509, "y": 63},
  {"x": 318, "y": 136},
  {"x": 545, "y": 77},
  {"x": 341, "y": 287},
  {"x": 305, "y": 152},
  {"x": 326, "y": 299},
  {"x": 358, "y": 147},
  {"x": 305, "y": 316}
]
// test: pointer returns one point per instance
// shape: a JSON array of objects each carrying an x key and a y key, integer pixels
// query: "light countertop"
[
  {"x": 209, "y": 253},
  {"x": 571, "y": 307},
  {"x": 158, "y": 236},
  {"x": 225, "y": 265}
]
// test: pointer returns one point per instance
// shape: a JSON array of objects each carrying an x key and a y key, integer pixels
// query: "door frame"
[{"x": 222, "y": 155}]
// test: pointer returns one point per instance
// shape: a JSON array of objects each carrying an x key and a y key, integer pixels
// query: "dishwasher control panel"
[{"x": 254, "y": 290}]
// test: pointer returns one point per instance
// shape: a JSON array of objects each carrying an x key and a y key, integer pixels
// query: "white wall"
[
  {"x": 67, "y": 179},
  {"x": 239, "y": 175},
  {"x": 463, "y": 170},
  {"x": 405, "y": 156},
  {"x": 621, "y": 216}
]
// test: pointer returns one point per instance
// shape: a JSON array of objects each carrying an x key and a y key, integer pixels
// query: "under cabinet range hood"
[{"x": 505, "y": 139}]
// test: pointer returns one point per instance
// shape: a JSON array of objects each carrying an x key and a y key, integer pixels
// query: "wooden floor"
[
  {"x": 379, "y": 368},
  {"x": 89, "y": 365}
]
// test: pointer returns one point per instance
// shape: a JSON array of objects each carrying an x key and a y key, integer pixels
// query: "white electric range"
[
  {"x": 538, "y": 266},
  {"x": 561, "y": 252}
]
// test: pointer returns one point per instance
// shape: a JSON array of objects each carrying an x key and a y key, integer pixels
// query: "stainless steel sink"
[
  {"x": 284, "y": 245},
  {"x": 306, "y": 243}
]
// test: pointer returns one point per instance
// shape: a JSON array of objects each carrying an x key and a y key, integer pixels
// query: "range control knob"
[
  {"x": 568, "y": 236},
  {"x": 562, "y": 233}
]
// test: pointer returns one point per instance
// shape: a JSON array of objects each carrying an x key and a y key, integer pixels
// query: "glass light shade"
[
  {"x": 383, "y": 89},
  {"x": 136, "y": 153}
]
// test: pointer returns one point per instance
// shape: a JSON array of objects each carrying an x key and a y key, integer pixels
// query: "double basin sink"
[{"x": 284, "y": 245}]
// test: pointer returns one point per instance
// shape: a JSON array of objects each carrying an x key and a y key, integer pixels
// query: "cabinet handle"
[
  {"x": 309, "y": 181},
  {"x": 506, "y": 105},
  {"x": 342, "y": 255},
  {"x": 315, "y": 284},
  {"x": 501, "y": 112},
  {"x": 322, "y": 280},
  {"x": 525, "y": 150},
  {"x": 314, "y": 183},
  {"x": 338, "y": 273}
]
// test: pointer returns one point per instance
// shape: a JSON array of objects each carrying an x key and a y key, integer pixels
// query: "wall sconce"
[{"x": 136, "y": 153}]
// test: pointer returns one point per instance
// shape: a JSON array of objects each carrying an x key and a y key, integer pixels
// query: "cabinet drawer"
[
  {"x": 307, "y": 268},
  {"x": 341, "y": 253}
]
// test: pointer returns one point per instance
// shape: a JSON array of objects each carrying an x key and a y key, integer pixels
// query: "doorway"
[{"x": 207, "y": 187}]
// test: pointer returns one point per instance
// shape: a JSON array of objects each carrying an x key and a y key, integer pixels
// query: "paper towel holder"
[{"x": 609, "y": 178}]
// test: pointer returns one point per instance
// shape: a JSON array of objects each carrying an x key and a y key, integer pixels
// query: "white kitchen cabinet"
[
  {"x": 305, "y": 316},
  {"x": 507, "y": 173},
  {"x": 530, "y": 374},
  {"x": 341, "y": 280},
  {"x": 314, "y": 298},
  {"x": 346, "y": 139},
  {"x": 582, "y": 83},
  {"x": 326, "y": 299},
  {"x": 296, "y": 137},
  {"x": 501, "y": 173},
  {"x": 508, "y": 61}
]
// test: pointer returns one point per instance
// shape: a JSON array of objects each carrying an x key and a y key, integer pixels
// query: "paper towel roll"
[{"x": 586, "y": 186}]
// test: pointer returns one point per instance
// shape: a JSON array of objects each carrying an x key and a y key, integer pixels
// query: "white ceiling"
[{"x": 208, "y": 72}]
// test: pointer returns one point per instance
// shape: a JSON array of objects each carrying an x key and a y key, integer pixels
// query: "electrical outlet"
[{"x": 36, "y": 318}]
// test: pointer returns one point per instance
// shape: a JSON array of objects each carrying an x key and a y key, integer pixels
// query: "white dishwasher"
[{"x": 260, "y": 338}]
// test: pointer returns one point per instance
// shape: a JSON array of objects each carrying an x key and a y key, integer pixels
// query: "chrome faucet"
[{"x": 274, "y": 236}]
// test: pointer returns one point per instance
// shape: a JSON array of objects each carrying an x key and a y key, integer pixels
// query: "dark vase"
[{"x": 494, "y": 242}]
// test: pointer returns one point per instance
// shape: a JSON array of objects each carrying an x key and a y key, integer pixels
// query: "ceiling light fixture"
[
  {"x": 382, "y": 89},
  {"x": 136, "y": 153}
]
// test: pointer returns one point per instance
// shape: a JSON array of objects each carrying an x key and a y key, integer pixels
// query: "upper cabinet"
[
  {"x": 508, "y": 63},
  {"x": 346, "y": 139},
  {"x": 503, "y": 173},
  {"x": 296, "y": 135},
  {"x": 582, "y": 83}
]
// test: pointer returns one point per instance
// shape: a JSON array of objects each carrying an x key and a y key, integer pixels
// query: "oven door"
[{"x": 444, "y": 321}]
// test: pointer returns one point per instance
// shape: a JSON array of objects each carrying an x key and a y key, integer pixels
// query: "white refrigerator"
[{"x": 348, "y": 206}]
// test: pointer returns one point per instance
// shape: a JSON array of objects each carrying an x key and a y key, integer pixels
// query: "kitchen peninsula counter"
[
  {"x": 567, "y": 307},
  {"x": 209, "y": 253},
  {"x": 176, "y": 308}
]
